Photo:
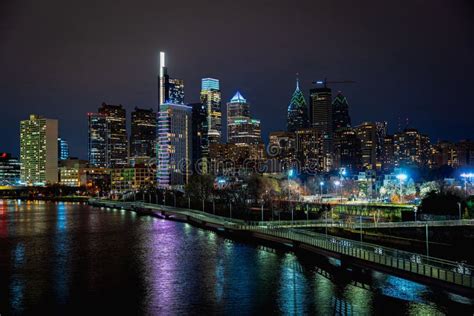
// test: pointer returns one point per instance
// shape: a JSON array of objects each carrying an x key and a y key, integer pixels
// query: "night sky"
[{"x": 411, "y": 59}]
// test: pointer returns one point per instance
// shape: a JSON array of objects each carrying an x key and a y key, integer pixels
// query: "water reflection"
[{"x": 70, "y": 258}]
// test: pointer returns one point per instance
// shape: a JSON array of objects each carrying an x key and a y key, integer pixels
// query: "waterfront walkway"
[{"x": 450, "y": 275}]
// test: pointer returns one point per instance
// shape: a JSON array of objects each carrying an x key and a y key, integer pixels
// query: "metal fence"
[{"x": 449, "y": 271}]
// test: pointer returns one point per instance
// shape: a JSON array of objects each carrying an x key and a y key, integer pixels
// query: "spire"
[
  {"x": 297, "y": 81},
  {"x": 238, "y": 98}
]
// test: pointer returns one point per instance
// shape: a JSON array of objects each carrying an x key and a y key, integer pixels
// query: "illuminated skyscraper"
[
  {"x": 97, "y": 145},
  {"x": 174, "y": 145},
  {"x": 39, "y": 151},
  {"x": 211, "y": 99},
  {"x": 169, "y": 90},
  {"x": 297, "y": 111},
  {"x": 340, "y": 112},
  {"x": 116, "y": 136},
  {"x": 411, "y": 148},
  {"x": 63, "y": 149},
  {"x": 143, "y": 133},
  {"x": 321, "y": 115},
  {"x": 367, "y": 133},
  {"x": 241, "y": 128}
]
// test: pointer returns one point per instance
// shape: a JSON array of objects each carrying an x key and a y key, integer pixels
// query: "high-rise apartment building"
[
  {"x": 39, "y": 151},
  {"x": 367, "y": 133},
  {"x": 174, "y": 145},
  {"x": 411, "y": 148},
  {"x": 348, "y": 154},
  {"x": 143, "y": 133}
]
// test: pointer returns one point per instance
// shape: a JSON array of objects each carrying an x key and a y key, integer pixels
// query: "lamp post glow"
[
  {"x": 291, "y": 173},
  {"x": 337, "y": 183},
  {"x": 401, "y": 177},
  {"x": 466, "y": 177},
  {"x": 321, "y": 184}
]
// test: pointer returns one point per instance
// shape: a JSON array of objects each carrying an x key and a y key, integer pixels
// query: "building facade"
[
  {"x": 72, "y": 172},
  {"x": 39, "y": 151}
]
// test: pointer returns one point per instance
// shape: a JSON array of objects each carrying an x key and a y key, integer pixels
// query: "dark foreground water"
[{"x": 60, "y": 258}]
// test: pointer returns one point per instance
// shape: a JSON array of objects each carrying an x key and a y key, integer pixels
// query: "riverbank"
[{"x": 82, "y": 199}]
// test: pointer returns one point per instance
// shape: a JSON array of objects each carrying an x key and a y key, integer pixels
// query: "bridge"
[{"x": 449, "y": 275}]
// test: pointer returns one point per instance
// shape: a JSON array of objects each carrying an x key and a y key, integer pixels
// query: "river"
[{"x": 64, "y": 258}]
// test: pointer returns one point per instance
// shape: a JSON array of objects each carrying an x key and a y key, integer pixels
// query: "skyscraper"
[
  {"x": 321, "y": 109},
  {"x": 174, "y": 145},
  {"x": 241, "y": 128},
  {"x": 321, "y": 115},
  {"x": 340, "y": 112},
  {"x": 63, "y": 149},
  {"x": 169, "y": 90},
  {"x": 39, "y": 151},
  {"x": 97, "y": 145},
  {"x": 116, "y": 135},
  {"x": 143, "y": 133},
  {"x": 211, "y": 99},
  {"x": 297, "y": 111}
]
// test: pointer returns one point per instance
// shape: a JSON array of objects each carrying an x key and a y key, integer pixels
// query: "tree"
[
  {"x": 444, "y": 202},
  {"x": 199, "y": 187}
]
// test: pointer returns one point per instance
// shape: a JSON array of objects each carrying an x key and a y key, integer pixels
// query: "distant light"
[
  {"x": 402, "y": 177},
  {"x": 321, "y": 183},
  {"x": 319, "y": 82},
  {"x": 337, "y": 183},
  {"x": 291, "y": 172},
  {"x": 467, "y": 175},
  {"x": 221, "y": 181}
]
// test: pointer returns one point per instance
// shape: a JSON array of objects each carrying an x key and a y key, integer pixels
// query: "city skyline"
[{"x": 66, "y": 92}]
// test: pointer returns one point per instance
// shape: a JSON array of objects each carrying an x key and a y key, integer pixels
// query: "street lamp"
[
  {"x": 401, "y": 177},
  {"x": 338, "y": 184},
  {"x": 291, "y": 173},
  {"x": 466, "y": 177}
]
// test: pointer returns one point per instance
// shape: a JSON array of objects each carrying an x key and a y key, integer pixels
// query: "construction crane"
[{"x": 325, "y": 82}]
